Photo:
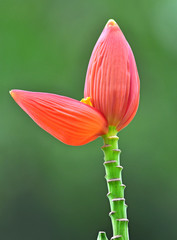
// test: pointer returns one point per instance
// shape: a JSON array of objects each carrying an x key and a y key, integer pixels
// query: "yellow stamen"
[{"x": 87, "y": 101}]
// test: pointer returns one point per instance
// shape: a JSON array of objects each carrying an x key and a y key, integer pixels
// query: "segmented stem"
[
  {"x": 102, "y": 236},
  {"x": 116, "y": 188}
]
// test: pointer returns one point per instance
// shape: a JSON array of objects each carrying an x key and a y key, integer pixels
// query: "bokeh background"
[{"x": 50, "y": 191}]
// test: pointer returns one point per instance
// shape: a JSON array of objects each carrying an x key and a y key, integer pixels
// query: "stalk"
[
  {"x": 116, "y": 188},
  {"x": 102, "y": 236}
]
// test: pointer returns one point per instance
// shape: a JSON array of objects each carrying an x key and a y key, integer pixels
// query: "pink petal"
[{"x": 69, "y": 120}]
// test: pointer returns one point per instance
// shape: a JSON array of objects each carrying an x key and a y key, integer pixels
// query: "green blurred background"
[{"x": 51, "y": 191}]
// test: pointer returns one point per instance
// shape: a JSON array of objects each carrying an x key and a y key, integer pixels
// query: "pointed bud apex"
[{"x": 111, "y": 23}]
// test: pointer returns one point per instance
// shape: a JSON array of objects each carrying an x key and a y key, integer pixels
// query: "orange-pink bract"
[
  {"x": 112, "y": 79},
  {"x": 112, "y": 86},
  {"x": 67, "y": 119}
]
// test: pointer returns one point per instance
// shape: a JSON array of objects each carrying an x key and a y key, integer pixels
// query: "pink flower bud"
[{"x": 112, "y": 80}]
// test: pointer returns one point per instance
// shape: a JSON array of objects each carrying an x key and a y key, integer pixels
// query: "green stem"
[
  {"x": 102, "y": 236},
  {"x": 116, "y": 188}
]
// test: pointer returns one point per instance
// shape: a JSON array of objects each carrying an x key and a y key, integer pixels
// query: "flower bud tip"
[{"x": 111, "y": 23}]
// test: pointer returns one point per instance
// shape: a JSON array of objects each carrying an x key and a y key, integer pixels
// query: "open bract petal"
[{"x": 67, "y": 119}]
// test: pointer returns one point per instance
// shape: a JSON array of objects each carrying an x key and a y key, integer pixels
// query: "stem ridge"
[{"x": 116, "y": 188}]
